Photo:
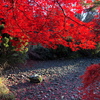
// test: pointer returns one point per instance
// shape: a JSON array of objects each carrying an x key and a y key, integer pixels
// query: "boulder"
[{"x": 35, "y": 78}]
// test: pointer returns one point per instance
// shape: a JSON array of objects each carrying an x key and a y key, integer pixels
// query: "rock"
[{"x": 36, "y": 78}]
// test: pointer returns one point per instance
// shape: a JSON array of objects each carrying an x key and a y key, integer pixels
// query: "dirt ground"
[{"x": 61, "y": 79}]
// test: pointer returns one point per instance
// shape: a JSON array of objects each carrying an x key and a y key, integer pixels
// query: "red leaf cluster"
[
  {"x": 91, "y": 83},
  {"x": 49, "y": 22}
]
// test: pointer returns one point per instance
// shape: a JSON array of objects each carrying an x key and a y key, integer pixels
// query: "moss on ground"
[{"x": 5, "y": 93}]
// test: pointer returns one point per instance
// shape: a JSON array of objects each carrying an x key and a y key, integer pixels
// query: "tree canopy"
[{"x": 50, "y": 23}]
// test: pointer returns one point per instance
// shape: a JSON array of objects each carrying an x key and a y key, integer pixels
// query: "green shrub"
[
  {"x": 5, "y": 93},
  {"x": 60, "y": 52},
  {"x": 12, "y": 49},
  {"x": 90, "y": 52},
  {"x": 44, "y": 53},
  {"x": 87, "y": 52},
  {"x": 66, "y": 52},
  {"x": 11, "y": 59}
]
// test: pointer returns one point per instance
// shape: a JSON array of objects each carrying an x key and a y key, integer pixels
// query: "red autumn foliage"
[
  {"x": 48, "y": 22},
  {"x": 91, "y": 83}
]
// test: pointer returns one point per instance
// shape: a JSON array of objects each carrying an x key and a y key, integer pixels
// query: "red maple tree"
[
  {"x": 91, "y": 82},
  {"x": 48, "y": 22}
]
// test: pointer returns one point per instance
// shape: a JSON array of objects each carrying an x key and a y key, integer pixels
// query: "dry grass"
[{"x": 5, "y": 93}]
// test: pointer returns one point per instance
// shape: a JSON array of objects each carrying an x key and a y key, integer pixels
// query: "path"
[{"x": 61, "y": 79}]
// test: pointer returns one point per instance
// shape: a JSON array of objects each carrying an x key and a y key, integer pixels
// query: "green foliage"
[
  {"x": 60, "y": 52},
  {"x": 5, "y": 93},
  {"x": 66, "y": 53},
  {"x": 2, "y": 27},
  {"x": 95, "y": 5},
  {"x": 9, "y": 56},
  {"x": 44, "y": 53},
  {"x": 5, "y": 42},
  {"x": 11, "y": 59},
  {"x": 90, "y": 52},
  {"x": 87, "y": 52}
]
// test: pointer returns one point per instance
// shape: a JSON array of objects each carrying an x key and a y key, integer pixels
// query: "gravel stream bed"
[{"x": 61, "y": 79}]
